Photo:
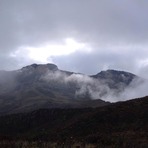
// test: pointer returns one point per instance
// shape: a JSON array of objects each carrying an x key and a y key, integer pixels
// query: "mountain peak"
[
  {"x": 115, "y": 76},
  {"x": 112, "y": 73},
  {"x": 40, "y": 68}
]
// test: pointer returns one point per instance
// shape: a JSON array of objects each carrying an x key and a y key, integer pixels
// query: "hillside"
[
  {"x": 46, "y": 86},
  {"x": 123, "y": 124}
]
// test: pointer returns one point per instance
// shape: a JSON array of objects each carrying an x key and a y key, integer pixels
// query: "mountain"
[
  {"x": 114, "y": 77},
  {"x": 45, "y": 86},
  {"x": 123, "y": 124}
]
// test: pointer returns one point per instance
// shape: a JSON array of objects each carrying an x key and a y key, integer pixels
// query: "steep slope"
[
  {"x": 123, "y": 124},
  {"x": 45, "y": 86}
]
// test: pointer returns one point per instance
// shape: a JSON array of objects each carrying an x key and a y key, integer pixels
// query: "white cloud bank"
[{"x": 98, "y": 89}]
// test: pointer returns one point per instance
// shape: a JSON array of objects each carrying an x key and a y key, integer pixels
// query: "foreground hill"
[
  {"x": 123, "y": 124},
  {"x": 45, "y": 86}
]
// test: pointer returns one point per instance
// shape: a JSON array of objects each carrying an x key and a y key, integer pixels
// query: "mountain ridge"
[{"x": 46, "y": 86}]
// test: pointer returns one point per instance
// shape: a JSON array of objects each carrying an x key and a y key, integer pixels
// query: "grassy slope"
[{"x": 124, "y": 123}]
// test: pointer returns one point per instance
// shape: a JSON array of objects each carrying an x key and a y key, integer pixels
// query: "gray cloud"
[
  {"x": 92, "y": 63},
  {"x": 115, "y": 30}
]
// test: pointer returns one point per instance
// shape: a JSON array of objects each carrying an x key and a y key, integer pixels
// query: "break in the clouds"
[{"x": 81, "y": 35}]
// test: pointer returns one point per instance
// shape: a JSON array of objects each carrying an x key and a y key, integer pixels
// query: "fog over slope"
[
  {"x": 101, "y": 88},
  {"x": 110, "y": 85}
]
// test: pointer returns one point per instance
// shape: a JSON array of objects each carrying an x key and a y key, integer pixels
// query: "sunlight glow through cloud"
[{"x": 45, "y": 52}]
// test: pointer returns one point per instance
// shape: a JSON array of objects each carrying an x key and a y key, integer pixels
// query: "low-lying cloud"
[{"x": 99, "y": 89}]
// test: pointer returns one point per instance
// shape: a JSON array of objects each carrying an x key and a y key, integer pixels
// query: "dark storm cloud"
[{"x": 117, "y": 32}]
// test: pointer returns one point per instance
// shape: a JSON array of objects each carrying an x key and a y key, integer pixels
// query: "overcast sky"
[{"x": 84, "y": 36}]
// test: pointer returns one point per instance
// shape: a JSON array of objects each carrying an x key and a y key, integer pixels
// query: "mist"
[
  {"x": 7, "y": 81},
  {"x": 137, "y": 89},
  {"x": 97, "y": 88}
]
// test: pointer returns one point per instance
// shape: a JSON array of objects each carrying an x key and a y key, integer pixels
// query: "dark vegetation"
[{"x": 123, "y": 124}]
